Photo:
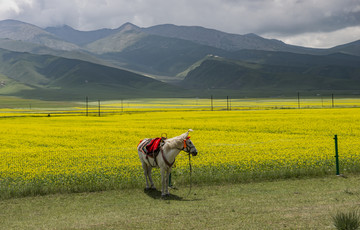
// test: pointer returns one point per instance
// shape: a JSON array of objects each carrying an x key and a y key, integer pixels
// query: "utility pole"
[
  {"x": 87, "y": 106},
  {"x": 298, "y": 100},
  {"x": 227, "y": 103},
  {"x": 99, "y": 108}
]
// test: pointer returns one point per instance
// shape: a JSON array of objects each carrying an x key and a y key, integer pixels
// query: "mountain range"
[{"x": 61, "y": 63}]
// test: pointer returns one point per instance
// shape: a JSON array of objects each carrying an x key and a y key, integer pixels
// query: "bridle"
[{"x": 185, "y": 147}]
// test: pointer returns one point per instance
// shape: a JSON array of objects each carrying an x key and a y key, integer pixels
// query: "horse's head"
[{"x": 189, "y": 147}]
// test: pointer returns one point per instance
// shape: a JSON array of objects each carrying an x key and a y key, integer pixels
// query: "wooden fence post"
[{"x": 337, "y": 155}]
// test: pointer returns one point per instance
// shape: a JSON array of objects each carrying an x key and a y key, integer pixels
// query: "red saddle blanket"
[
  {"x": 150, "y": 146},
  {"x": 153, "y": 145}
]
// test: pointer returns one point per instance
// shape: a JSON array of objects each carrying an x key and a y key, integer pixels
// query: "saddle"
[{"x": 151, "y": 147}]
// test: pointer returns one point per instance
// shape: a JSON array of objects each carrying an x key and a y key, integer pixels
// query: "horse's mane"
[{"x": 176, "y": 142}]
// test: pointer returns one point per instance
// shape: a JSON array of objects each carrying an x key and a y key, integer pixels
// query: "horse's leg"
[
  {"x": 163, "y": 181},
  {"x": 152, "y": 186},
  {"x": 167, "y": 174},
  {"x": 145, "y": 167}
]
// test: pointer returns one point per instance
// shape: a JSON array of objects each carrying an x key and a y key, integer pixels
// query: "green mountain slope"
[
  {"x": 157, "y": 55},
  {"x": 294, "y": 59},
  {"x": 52, "y": 77},
  {"x": 333, "y": 73},
  {"x": 22, "y": 46},
  {"x": 9, "y": 86}
]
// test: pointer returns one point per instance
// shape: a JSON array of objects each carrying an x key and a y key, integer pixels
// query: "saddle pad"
[
  {"x": 153, "y": 145},
  {"x": 150, "y": 146}
]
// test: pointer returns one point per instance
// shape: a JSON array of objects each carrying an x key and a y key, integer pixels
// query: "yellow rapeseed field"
[{"x": 41, "y": 154}]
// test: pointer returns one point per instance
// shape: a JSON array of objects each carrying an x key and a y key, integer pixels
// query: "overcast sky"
[{"x": 311, "y": 23}]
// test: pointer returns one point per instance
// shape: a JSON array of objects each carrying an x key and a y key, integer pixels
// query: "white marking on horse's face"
[{"x": 191, "y": 147}]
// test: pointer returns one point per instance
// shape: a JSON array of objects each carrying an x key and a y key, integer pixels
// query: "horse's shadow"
[{"x": 155, "y": 194}]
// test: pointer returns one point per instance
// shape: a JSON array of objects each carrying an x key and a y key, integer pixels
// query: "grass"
[
  {"x": 347, "y": 220},
  {"x": 285, "y": 204}
]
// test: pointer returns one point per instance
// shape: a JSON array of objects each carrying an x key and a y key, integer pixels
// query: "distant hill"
[
  {"x": 294, "y": 59},
  {"x": 352, "y": 48},
  {"x": 330, "y": 73},
  {"x": 50, "y": 77}
]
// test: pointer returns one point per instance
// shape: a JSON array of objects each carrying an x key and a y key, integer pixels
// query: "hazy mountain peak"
[
  {"x": 17, "y": 30},
  {"x": 21, "y": 31},
  {"x": 128, "y": 26}
]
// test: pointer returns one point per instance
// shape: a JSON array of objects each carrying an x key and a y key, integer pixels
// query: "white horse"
[{"x": 165, "y": 159}]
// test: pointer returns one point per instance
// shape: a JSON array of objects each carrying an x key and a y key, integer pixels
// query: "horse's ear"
[{"x": 187, "y": 133}]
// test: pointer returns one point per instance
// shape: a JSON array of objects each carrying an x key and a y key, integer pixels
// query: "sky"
[{"x": 310, "y": 23}]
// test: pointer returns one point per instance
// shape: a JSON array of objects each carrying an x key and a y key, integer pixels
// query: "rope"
[{"x": 190, "y": 175}]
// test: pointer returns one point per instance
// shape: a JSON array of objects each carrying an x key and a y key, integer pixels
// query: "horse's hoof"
[
  {"x": 152, "y": 188},
  {"x": 164, "y": 197}
]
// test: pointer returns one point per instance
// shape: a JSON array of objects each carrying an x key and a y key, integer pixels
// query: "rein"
[
  {"x": 185, "y": 149},
  {"x": 190, "y": 174},
  {"x": 166, "y": 161}
]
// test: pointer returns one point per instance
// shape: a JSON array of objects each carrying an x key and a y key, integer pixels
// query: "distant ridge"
[
  {"x": 133, "y": 61},
  {"x": 218, "y": 39},
  {"x": 82, "y": 38}
]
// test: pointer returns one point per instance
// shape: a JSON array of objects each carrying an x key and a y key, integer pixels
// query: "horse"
[{"x": 169, "y": 149}]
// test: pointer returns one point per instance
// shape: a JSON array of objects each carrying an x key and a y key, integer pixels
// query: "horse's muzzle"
[{"x": 194, "y": 153}]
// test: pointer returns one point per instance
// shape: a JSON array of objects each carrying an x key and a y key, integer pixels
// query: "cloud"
[
  {"x": 320, "y": 39},
  {"x": 290, "y": 19},
  {"x": 11, "y": 7}
]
